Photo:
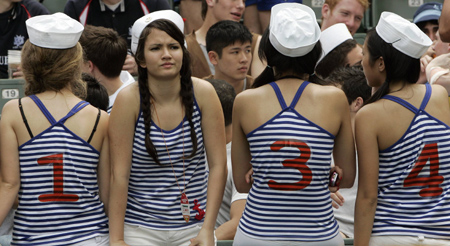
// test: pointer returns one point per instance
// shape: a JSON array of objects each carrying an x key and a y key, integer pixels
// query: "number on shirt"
[
  {"x": 298, "y": 163},
  {"x": 58, "y": 180},
  {"x": 429, "y": 153}
]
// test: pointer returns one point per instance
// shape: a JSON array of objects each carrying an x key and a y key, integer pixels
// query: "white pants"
[
  {"x": 136, "y": 235},
  {"x": 406, "y": 240},
  {"x": 240, "y": 239}
]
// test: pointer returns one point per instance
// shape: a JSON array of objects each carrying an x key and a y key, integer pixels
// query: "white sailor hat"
[
  {"x": 56, "y": 31},
  {"x": 142, "y": 22},
  {"x": 293, "y": 29},
  {"x": 332, "y": 37},
  {"x": 403, "y": 35}
]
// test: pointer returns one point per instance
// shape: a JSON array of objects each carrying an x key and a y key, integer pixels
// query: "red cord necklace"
[{"x": 185, "y": 209}]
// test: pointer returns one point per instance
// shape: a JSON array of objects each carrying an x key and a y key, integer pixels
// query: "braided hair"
[{"x": 186, "y": 92}]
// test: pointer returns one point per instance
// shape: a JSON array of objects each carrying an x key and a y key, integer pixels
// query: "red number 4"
[
  {"x": 58, "y": 180},
  {"x": 298, "y": 163},
  {"x": 429, "y": 153}
]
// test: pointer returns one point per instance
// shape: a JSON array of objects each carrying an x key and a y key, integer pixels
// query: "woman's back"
[
  {"x": 291, "y": 147},
  {"x": 414, "y": 161}
]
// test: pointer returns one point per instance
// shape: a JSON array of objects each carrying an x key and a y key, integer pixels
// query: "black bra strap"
[
  {"x": 95, "y": 126},
  {"x": 24, "y": 118}
]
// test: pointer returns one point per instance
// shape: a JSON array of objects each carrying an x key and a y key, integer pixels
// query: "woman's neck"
[
  {"x": 5, "y": 5},
  {"x": 165, "y": 91}
]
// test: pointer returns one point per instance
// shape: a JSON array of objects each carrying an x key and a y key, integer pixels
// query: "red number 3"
[
  {"x": 429, "y": 153},
  {"x": 58, "y": 180},
  {"x": 298, "y": 163}
]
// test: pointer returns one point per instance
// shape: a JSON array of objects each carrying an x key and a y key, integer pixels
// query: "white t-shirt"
[
  {"x": 230, "y": 195},
  {"x": 126, "y": 79}
]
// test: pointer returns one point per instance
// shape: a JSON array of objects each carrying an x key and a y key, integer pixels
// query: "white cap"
[
  {"x": 142, "y": 22},
  {"x": 56, "y": 31},
  {"x": 293, "y": 29},
  {"x": 332, "y": 37},
  {"x": 403, "y": 35}
]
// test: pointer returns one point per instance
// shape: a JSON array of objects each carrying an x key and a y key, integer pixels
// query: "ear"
[
  {"x": 213, "y": 57},
  {"x": 325, "y": 10},
  {"x": 359, "y": 102},
  {"x": 210, "y": 3},
  {"x": 91, "y": 66},
  {"x": 380, "y": 64}
]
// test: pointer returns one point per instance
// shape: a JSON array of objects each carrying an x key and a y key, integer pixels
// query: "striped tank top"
[
  {"x": 59, "y": 200},
  {"x": 153, "y": 193},
  {"x": 414, "y": 179},
  {"x": 289, "y": 199}
]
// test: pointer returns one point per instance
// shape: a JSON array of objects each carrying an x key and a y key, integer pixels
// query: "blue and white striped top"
[
  {"x": 291, "y": 158},
  {"x": 153, "y": 194},
  {"x": 414, "y": 179},
  {"x": 59, "y": 200}
]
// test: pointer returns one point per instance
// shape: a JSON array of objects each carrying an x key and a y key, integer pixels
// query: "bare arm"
[
  {"x": 121, "y": 132},
  {"x": 9, "y": 167},
  {"x": 444, "y": 22},
  {"x": 240, "y": 149},
  {"x": 213, "y": 129},
  {"x": 344, "y": 146},
  {"x": 228, "y": 229},
  {"x": 366, "y": 200},
  {"x": 104, "y": 167}
]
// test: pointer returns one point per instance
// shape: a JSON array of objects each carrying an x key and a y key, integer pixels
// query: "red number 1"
[
  {"x": 58, "y": 180},
  {"x": 429, "y": 153},
  {"x": 298, "y": 163}
]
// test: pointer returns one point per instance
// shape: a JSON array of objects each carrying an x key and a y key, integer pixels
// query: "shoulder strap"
[
  {"x": 43, "y": 109},
  {"x": 95, "y": 126},
  {"x": 279, "y": 95},
  {"x": 427, "y": 96},
  {"x": 401, "y": 102},
  {"x": 79, "y": 106},
  {"x": 25, "y": 118},
  {"x": 299, "y": 93}
]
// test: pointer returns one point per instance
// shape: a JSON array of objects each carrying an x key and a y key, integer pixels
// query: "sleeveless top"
[
  {"x": 414, "y": 178},
  {"x": 59, "y": 200},
  {"x": 289, "y": 199},
  {"x": 153, "y": 193}
]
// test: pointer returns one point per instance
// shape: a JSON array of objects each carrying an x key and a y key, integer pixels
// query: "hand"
[
  {"x": 130, "y": 65},
  {"x": 337, "y": 200},
  {"x": 249, "y": 176},
  {"x": 18, "y": 74},
  {"x": 204, "y": 238},
  {"x": 424, "y": 61},
  {"x": 442, "y": 61},
  {"x": 341, "y": 174}
]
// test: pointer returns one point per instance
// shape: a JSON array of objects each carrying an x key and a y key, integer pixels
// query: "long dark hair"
[
  {"x": 399, "y": 66},
  {"x": 302, "y": 65},
  {"x": 186, "y": 92}
]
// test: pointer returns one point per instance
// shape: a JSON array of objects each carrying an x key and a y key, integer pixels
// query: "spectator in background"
[
  {"x": 427, "y": 18},
  {"x": 212, "y": 12},
  {"x": 339, "y": 49},
  {"x": 119, "y": 15},
  {"x": 257, "y": 13},
  {"x": 13, "y": 32},
  {"x": 229, "y": 46},
  {"x": 349, "y": 12},
  {"x": 104, "y": 54},
  {"x": 96, "y": 93},
  {"x": 191, "y": 11}
]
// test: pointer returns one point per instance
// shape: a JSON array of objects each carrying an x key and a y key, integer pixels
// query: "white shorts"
[
  {"x": 406, "y": 240},
  {"x": 137, "y": 235},
  {"x": 96, "y": 241},
  {"x": 240, "y": 239}
]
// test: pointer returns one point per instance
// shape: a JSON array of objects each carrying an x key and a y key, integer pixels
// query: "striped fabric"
[
  {"x": 58, "y": 199},
  {"x": 289, "y": 199},
  {"x": 414, "y": 179},
  {"x": 153, "y": 194}
]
